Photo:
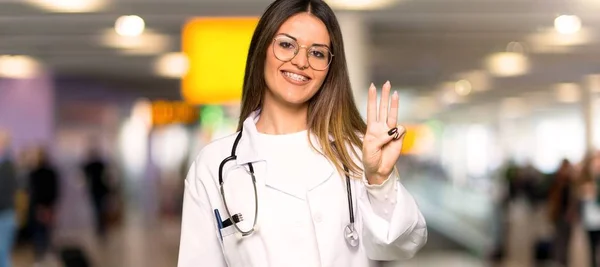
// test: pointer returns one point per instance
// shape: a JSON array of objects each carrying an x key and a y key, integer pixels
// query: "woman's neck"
[{"x": 275, "y": 119}]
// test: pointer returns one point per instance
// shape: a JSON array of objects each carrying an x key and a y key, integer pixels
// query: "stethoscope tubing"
[{"x": 251, "y": 172}]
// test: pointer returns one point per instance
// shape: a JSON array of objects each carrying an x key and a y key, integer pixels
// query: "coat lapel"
[
  {"x": 313, "y": 173},
  {"x": 248, "y": 149}
]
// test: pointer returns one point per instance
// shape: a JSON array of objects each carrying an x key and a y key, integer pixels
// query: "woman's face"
[{"x": 294, "y": 82}]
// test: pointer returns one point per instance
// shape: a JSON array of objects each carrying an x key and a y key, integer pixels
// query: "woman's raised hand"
[{"x": 383, "y": 140}]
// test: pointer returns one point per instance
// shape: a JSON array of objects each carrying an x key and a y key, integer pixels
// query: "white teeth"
[{"x": 295, "y": 76}]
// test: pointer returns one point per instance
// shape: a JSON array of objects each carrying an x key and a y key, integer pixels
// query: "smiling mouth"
[{"x": 295, "y": 77}]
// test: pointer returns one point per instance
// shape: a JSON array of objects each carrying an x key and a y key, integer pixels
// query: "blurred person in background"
[
  {"x": 44, "y": 193},
  {"x": 8, "y": 189},
  {"x": 95, "y": 171},
  {"x": 507, "y": 192},
  {"x": 589, "y": 176},
  {"x": 562, "y": 207}
]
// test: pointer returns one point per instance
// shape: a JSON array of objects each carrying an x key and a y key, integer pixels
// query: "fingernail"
[
  {"x": 387, "y": 83},
  {"x": 395, "y": 93},
  {"x": 393, "y": 131}
]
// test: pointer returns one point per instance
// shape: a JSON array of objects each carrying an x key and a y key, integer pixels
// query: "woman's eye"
[
  {"x": 286, "y": 45},
  {"x": 318, "y": 54}
]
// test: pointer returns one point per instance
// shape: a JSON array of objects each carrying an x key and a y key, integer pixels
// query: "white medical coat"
[{"x": 397, "y": 236}]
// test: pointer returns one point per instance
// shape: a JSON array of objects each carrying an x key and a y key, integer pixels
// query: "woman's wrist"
[{"x": 376, "y": 179}]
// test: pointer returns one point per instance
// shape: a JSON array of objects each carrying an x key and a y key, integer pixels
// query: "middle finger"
[{"x": 383, "y": 104}]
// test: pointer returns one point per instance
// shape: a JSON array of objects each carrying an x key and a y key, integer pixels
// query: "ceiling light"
[
  {"x": 360, "y": 4},
  {"x": 567, "y": 24},
  {"x": 507, "y": 64},
  {"x": 18, "y": 67},
  {"x": 130, "y": 26},
  {"x": 148, "y": 43},
  {"x": 172, "y": 65},
  {"x": 462, "y": 88},
  {"x": 69, "y": 6}
]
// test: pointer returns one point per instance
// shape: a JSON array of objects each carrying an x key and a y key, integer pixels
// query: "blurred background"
[{"x": 104, "y": 104}]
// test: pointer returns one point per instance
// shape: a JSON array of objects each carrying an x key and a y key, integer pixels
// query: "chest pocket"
[{"x": 243, "y": 251}]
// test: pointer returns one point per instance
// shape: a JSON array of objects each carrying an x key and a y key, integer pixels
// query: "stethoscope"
[{"x": 350, "y": 233}]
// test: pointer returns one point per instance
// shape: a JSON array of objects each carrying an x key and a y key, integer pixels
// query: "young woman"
[{"x": 304, "y": 181}]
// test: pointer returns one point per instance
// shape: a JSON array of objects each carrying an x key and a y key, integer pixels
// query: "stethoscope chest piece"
[{"x": 351, "y": 235}]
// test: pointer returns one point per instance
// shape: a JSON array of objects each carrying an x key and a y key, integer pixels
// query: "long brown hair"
[{"x": 332, "y": 110}]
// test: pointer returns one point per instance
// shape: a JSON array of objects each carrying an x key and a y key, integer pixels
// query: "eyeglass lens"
[{"x": 285, "y": 49}]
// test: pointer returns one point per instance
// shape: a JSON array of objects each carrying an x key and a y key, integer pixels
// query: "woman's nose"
[{"x": 300, "y": 60}]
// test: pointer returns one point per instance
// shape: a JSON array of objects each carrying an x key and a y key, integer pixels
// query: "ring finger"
[{"x": 392, "y": 119}]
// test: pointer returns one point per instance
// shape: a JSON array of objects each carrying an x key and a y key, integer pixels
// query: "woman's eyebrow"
[{"x": 294, "y": 38}]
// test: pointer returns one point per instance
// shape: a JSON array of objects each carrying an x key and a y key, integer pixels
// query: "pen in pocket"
[{"x": 219, "y": 223}]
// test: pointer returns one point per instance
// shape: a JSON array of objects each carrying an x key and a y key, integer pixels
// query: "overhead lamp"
[
  {"x": 359, "y": 4},
  {"x": 507, "y": 64},
  {"x": 69, "y": 6},
  {"x": 172, "y": 65},
  {"x": 462, "y": 88},
  {"x": 567, "y": 24},
  {"x": 148, "y": 43},
  {"x": 130, "y": 25},
  {"x": 18, "y": 67}
]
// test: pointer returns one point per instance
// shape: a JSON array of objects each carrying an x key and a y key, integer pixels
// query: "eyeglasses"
[{"x": 286, "y": 48}]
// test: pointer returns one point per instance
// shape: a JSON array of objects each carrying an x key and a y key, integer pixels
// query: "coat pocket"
[{"x": 232, "y": 247}]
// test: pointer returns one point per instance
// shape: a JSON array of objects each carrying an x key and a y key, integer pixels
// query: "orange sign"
[{"x": 164, "y": 113}]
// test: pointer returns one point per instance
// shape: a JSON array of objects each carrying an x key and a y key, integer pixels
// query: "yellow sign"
[
  {"x": 164, "y": 113},
  {"x": 217, "y": 49}
]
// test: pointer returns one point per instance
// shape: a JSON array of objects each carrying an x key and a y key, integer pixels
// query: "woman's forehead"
[{"x": 306, "y": 28}]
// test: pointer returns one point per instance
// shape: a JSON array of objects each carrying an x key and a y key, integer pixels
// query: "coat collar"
[{"x": 248, "y": 149}]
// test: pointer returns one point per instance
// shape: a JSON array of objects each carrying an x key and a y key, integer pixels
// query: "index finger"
[{"x": 372, "y": 105}]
